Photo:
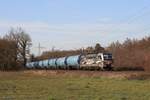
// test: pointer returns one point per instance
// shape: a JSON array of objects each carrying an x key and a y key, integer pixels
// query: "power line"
[
  {"x": 39, "y": 48},
  {"x": 134, "y": 17},
  {"x": 139, "y": 15}
]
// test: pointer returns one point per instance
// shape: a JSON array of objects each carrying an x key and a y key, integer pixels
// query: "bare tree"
[
  {"x": 7, "y": 55},
  {"x": 22, "y": 43},
  {"x": 12, "y": 36},
  {"x": 132, "y": 54}
]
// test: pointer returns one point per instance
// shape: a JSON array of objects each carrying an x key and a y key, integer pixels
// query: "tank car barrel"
[
  {"x": 61, "y": 63},
  {"x": 52, "y": 64},
  {"x": 73, "y": 61}
]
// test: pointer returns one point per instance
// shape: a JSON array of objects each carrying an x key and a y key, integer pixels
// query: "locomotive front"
[{"x": 106, "y": 61}]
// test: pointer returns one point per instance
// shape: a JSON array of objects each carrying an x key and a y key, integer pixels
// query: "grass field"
[{"x": 31, "y": 85}]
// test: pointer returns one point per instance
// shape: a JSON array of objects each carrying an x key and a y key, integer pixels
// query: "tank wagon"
[{"x": 101, "y": 61}]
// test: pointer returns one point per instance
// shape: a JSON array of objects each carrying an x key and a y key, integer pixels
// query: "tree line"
[
  {"x": 14, "y": 48},
  {"x": 132, "y": 54}
]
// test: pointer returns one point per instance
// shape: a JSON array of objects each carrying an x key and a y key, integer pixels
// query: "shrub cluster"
[{"x": 131, "y": 54}]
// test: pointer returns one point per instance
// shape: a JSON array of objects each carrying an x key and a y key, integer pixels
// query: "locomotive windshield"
[{"x": 107, "y": 56}]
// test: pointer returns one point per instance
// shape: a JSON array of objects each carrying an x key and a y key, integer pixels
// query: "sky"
[{"x": 73, "y": 24}]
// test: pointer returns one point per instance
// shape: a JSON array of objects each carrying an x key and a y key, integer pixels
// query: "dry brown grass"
[{"x": 80, "y": 73}]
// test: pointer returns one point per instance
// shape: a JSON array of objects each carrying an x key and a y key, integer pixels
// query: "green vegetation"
[{"x": 29, "y": 86}]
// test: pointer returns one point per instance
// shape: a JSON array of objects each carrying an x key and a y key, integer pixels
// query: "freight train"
[{"x": 100, "y": 61}]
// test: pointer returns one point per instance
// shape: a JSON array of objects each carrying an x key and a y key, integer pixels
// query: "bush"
[
  {"x": 133, "y": 53},
  {"x": 128, "y": 69}
]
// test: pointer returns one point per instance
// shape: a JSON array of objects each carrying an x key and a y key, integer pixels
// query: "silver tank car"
[
  {"x": 61, "y": 63},
  {"x": 52, "y": 64},
  {"x": 73, "y": 62}
]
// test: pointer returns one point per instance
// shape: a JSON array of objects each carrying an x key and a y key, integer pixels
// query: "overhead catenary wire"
[{"x": 131, "y": 19}]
